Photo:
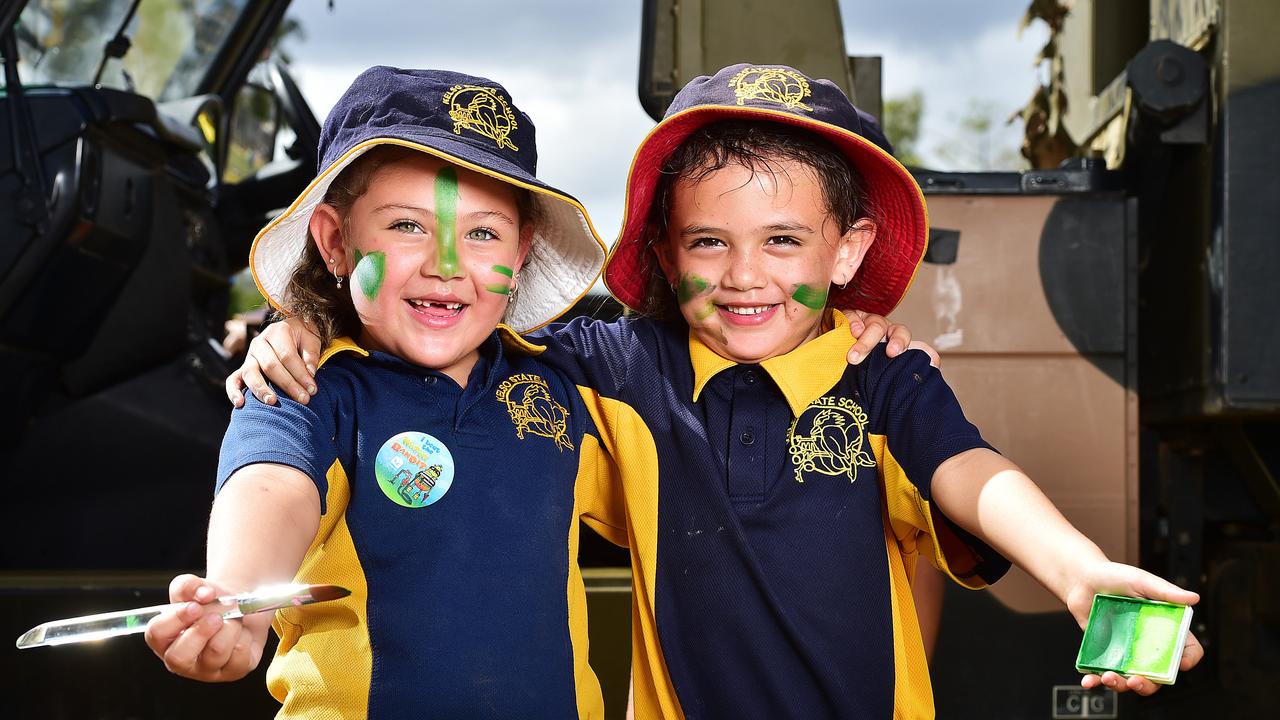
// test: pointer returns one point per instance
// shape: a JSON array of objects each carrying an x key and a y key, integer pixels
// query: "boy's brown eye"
[{"x": 783, "y": 240}]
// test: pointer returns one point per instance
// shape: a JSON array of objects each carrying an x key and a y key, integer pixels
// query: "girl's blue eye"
[
  {"x": 406, "y": 226},
  {"x": 482, "y": 234}
]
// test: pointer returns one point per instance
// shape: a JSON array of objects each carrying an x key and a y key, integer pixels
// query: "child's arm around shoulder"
[{"x": 989, "y": 496}]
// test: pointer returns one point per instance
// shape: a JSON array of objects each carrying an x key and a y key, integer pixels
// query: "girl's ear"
[
  {"x": 851, "y": 250},
  {"x": 526, "y": 243},
  {"x": 326, "y": 230}
]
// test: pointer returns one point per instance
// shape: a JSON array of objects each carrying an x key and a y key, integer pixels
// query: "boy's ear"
[
  {"x": 326, "y": 231},
  {"x": 852, "y": 249},
  {"x": 662, "y": 250}
]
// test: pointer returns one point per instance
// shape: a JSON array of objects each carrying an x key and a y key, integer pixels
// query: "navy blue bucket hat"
[
  {"x": 470, "y": 122},
  {"x": 780, "y": 94}
]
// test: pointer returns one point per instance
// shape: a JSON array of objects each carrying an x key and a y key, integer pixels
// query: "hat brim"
[
  {"x": 564, "y": 258},
  {"x": 898, "y": 206}
]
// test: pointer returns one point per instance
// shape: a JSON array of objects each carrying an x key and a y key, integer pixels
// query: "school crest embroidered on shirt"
[
  {"x": 829, "y": 438},
  {"x": 784, "y": 87},
  {"x": 533, "y": 410},
  {"x": 481, "y": 110}
]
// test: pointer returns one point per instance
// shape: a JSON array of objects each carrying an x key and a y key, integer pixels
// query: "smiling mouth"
[
  {"x": 748, "y": 309},
  {"x": 436, "y": 308}
]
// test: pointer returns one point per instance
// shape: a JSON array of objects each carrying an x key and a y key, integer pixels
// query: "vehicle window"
[{"x": 171, "y": 43}]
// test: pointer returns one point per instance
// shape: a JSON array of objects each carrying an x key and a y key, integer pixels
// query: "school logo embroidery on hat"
[
  {"x": 481, "y": 110},
  {"x": 787, "y": 88},
  {"x": 829, "y": 438},
  {"x": 533, "y": 410}
]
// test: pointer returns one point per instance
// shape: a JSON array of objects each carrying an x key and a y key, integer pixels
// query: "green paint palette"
[{"x": 1132, "y": 636}]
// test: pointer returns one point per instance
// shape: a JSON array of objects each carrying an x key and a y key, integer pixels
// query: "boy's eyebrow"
[{"x": 774, "y": 227}]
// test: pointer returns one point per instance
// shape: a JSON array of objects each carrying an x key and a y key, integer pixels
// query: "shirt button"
[
  {"x": 431, "y": 379},
  {"x": 747, "y": 438},
  {"x": 749, "y": 377}
]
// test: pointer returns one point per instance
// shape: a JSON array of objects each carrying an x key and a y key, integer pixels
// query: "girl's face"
[
  {"x": 431, "y": 251},
  {"x": 752, "y": 256}
]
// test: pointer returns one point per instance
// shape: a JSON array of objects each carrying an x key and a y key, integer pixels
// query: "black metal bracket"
[{"x": 29, "y": 201}]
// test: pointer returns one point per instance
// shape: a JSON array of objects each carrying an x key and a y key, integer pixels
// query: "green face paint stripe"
[
  {"x": 369, "y": 273},
  {"x": 691, "y": 286},
  {"x": 498, "y": 288},
  {"x": 504, "y": 270},
  {"x": 812, "y": 298},
  {"x": 446, "y": 220},
  {"x": 705, "y": 312},
  {"x": 359, "y": 256}
]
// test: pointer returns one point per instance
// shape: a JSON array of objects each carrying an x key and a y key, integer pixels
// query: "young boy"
[{"x": 775, "y": 502}]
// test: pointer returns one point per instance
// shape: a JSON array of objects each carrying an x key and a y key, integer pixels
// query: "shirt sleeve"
[
  {"x": 593, "y": 353},
  {"x": 292, "y": 434},
  {"x": 923, "y": 427}
]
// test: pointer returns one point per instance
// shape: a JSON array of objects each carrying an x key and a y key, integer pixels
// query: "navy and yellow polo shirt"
[
  {"x": 774, "y": 514},
  {"x": 452, "y": 515}
]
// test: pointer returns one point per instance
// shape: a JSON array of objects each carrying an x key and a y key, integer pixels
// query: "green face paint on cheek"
[
  {"x": 446, "y": 221},
  {"x": 690, "y": 288},
  {"x": 500, "y": 288},
  {"x": 813, "y": 298},
  {"x": 503, "y": 270},
  {"x": 369, "y": 273}
]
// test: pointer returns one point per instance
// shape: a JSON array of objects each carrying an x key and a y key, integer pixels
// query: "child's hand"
[
  {"x": 871, "y": 329},
  {"x": 1118, "y": 579},
  {"x": 195, "y": 642},
  {"x": 286, "y": 353}
]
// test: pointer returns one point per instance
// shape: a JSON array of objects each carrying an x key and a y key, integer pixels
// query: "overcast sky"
[{"x": 572, "y": 66}]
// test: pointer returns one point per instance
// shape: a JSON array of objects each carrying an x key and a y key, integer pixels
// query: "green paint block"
[
  {"x": 812, "y": 298},
  {"x": 1132, "y": 636}
]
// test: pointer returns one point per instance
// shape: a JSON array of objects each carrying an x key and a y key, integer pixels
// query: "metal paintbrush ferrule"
[{"x": 127, "y": 622}]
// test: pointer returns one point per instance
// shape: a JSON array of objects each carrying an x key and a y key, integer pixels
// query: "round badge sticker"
[{"x": 414, "y": 469}]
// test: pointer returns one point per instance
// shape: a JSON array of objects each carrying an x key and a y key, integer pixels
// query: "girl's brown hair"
[
  {"x": 756, "y": 146},
  {"x": 312, "y": 293}
]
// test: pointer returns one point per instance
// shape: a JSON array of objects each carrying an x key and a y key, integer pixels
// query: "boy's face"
[
  {"x": 752, "y": 256},
  {"x": 431, "y": 249}
]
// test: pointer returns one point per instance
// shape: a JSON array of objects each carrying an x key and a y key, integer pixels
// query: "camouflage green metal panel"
[{"x": 685, "y": 39}]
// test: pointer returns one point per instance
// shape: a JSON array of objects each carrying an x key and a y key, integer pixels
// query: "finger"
[
  {"x": 183, "y": 656},
  {"x": 1140, "y": 685},
  {"x": 872, "y": 332},
  {"x": 218, "y": 651},
  {"x": 899, "y": 340},
  {"x": 188, "y": 587},
  {"x": 235, "y": 388},
  {"x": 254, "y": 380},
  {"x": 1192, "y": 652},
  {"x": 1154, "y": 587},
  {"x": 856, "y": 325},
  {"x": 934, "y": 359},
  {"x": 286, "y": 370},
  {"x": 309, "y": 346},
  {"x": 167, "y": 626},
  {"x": 1088, "y": 682}
]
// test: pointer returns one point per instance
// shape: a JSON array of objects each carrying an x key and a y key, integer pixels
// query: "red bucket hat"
[{"x": 777, "y": 93}]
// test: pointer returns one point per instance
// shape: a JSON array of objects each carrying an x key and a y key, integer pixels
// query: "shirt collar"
[
  {"x": 802, "y": 375},
  {"x": 509, "y": 339}
]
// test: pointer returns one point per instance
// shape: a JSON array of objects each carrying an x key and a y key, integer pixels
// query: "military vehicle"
[{"x": 1104, "y": 322}]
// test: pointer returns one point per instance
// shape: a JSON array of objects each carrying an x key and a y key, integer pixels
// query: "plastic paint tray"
[{"x": 1132, "y": 636}]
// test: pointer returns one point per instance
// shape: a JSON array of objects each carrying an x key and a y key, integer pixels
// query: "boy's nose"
[{"x": 743, "y": 271}]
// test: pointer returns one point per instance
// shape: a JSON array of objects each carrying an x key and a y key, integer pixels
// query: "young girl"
[{"x": 440, "y": 470}]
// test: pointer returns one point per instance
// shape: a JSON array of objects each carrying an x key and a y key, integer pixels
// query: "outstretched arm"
[
  {"x": 263, "y": 521},
  {"x": 990, "y": 497}
]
